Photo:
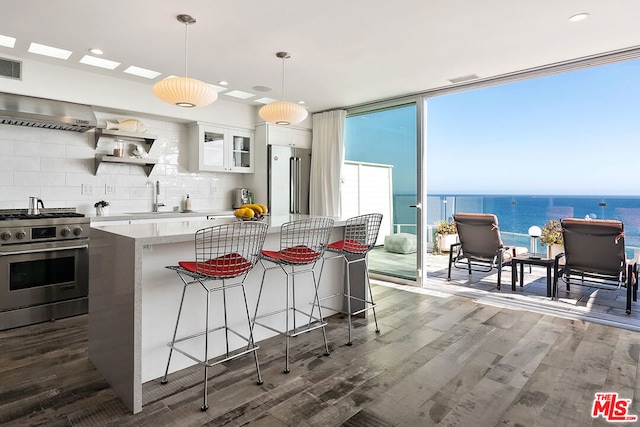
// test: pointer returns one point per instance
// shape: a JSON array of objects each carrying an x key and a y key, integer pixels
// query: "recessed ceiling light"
[
  {"x": 579, "y": 17},
  {"x": 45, "y": 50},
  {"x": 7, "y": 41},
  {"x": 262, "y": 88},
  {"x": 301, "y": 102},
  {"x": 464, "y": 78},
  {"x": 265, "y": 100},
  {"x": 239, "y": 94},
  {"x": 223, "y": 82},
  {"x": 142, "y": 72},
  {"x": 218, "y": 88},
  {"x": 96, "y": 51},
  {"x": 99, "y": 62}
]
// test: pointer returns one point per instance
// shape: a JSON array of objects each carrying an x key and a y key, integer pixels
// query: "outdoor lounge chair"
[
  {"x": 480, "y": 247},
  {"x": 595, "y": 256}
]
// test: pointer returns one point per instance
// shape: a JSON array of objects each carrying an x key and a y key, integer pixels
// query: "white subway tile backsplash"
[
  {"x": 77, "y": 179},
  {"x": 40, "y": 149},
  {"x": 20, "y": 134},
  {"x": 141, "y": 193},
  {"x": 53, "y": 165},
  {"x": 64, "y": 137},
  {"x": 78, "y": 166},
  {"x": 128, "y": 180},
  {"x": 64, "y": 193},
  {"x": 80, "y": 152},
  {"x": 42, "y": 179},
  {"x": 6, "y": 178},
  {"x": 82, "y": 139},
  {"x": 19, "y": 193},
  {"x": 21, "y": 163},
  {"x": 6, "y": 163},
  {"x": 11, "y": 163},
  {"x": 6, "y": 147}
]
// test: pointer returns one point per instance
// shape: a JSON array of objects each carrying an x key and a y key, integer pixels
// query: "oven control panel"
[{"x": 43, "y": 233}]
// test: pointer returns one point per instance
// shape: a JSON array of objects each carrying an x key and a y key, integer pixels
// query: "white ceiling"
[{"x": 343, "y": 52}]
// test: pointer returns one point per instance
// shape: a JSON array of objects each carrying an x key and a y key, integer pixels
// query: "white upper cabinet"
[
  {"x": 220, "y": 149},
  {"x": 285, "y": 135}
]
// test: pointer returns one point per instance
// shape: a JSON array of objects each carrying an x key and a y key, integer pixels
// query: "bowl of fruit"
[{"x": 251, "y": 212}]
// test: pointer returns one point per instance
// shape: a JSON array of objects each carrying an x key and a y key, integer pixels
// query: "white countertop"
[
  {"x": 127, "y": 216},
  {"x": 181, "y": 231}
]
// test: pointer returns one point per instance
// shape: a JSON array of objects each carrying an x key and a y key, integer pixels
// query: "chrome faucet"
[{"x": 156, "y": 205}]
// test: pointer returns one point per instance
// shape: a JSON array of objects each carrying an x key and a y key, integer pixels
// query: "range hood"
[{"x": 45, "y": 113}]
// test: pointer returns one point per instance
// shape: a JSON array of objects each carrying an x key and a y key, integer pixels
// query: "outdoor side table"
[{"x": 530, "y": 260}]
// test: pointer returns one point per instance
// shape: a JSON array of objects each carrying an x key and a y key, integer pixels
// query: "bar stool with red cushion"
[
  {"x": 360, "y": 236},
  {"x": 222, "y": 253},
  {"x": 302, "y": 244}
]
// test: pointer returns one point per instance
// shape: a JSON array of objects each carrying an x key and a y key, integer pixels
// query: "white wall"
[{"x": 54, "y": 165}]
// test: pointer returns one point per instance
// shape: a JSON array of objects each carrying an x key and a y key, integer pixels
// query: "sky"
[
  {"x": 575, "y": 133},
  {"x": 386, "y": 137}
]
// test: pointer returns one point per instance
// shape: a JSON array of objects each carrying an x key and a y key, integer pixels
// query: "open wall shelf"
[
  {"x": 148, "y": 139},
  {"x": 129, "y": 136},
  {"x": 147, "y": 164}
]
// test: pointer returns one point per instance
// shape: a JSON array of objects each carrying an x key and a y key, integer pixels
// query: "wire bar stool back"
[
  {"x": 360, "y": 234},
  {"x": 227, "y": 250},
  {"x": 302, "y": 242}
]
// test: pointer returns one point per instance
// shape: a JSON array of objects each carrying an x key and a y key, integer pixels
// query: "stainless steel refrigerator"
[{"x": 288, "y": 175}]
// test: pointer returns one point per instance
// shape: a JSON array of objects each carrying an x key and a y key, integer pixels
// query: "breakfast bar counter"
[{"x": 134, "y": 299}]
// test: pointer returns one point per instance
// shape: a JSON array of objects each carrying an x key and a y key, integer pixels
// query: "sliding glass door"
[{"x": 381, "y": 174}]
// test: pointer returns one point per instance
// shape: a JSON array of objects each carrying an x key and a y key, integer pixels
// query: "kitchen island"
[{"x": 134, "y": 299}]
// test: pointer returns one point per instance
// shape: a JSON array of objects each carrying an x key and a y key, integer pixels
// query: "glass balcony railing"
[{"x": 517, "y": 213}]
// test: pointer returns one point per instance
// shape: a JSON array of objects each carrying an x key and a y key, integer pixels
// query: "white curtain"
[{"x": 326, "y": 163}]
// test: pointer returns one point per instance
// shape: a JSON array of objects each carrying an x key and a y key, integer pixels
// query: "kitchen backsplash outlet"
[{"x": 87, "y": 189}]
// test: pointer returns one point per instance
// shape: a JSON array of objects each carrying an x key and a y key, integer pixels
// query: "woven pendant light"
[
  {"x": 283, "y": 112},
  {"x": 184, "y": 91}
]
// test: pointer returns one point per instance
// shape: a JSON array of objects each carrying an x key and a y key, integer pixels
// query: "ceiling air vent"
[{"x": 10, "y": 69}]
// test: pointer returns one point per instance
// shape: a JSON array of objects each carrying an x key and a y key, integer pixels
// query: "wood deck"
[{"x": 441, "y": 359}]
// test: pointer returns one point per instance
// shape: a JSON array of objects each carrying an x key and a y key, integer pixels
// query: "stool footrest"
[
  {"x": 327, "y": 297},
  {"x": 366, "y": 302},
  {"x": 312, "y": 323},
  {"x": 308, "y": 328},
  {"x": 371, "y": 307},
  {"x": 229, "y": 356}
]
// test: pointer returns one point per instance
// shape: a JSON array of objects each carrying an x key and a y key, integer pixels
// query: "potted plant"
[
  {"x": 551, "y": 237},
  {"x": 445, "y": 234},
  {"x": 102, "y": 207}
]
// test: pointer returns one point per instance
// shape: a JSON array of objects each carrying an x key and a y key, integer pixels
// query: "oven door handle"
[{"x": 35, "y": 251}]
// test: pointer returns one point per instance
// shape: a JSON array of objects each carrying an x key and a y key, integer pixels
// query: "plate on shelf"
[{"x": 138, "y": 150}]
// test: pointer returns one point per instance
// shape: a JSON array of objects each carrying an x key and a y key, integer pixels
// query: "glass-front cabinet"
[{"x": 220, "y": 149}]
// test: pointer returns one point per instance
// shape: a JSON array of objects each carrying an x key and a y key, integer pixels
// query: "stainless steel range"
[{"x": 44, "y": 265}]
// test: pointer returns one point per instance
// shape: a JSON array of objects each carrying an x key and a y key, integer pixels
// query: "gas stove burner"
[
  {"x": 7, "y": 217},
  {"x": 53, "y": 213}
]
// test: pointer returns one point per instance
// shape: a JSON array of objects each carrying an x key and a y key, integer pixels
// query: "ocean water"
[{"x": 516, "y": 213}]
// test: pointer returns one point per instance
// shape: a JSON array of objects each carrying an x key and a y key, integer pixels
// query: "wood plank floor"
[{"x": 439, "y": 360}]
